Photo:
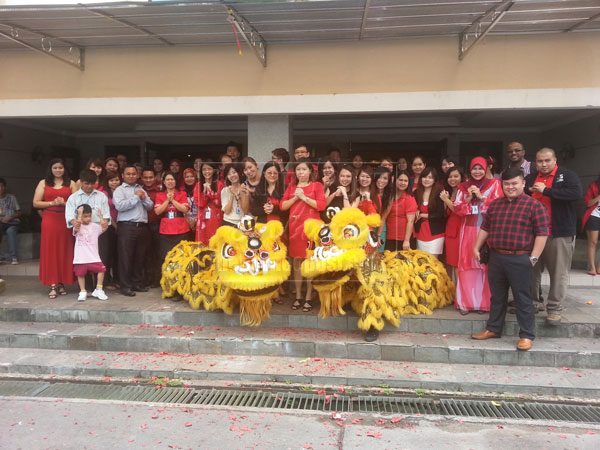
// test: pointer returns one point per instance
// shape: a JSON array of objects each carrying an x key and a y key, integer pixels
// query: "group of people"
[{"x": 140, "y": 213}]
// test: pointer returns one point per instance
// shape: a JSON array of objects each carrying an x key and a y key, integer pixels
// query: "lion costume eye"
[
  {"x": 276, "y": 247},
  {"x": 249, "y": 254},
  {"x": 228, "y": 251},
  {"x": 351, "y": 231}
]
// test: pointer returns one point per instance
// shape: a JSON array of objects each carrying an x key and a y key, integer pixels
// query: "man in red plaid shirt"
[{"x": 516, "y": 228}]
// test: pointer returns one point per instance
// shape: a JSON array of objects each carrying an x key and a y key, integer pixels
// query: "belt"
[
  {"x": 129, "y": 222},
  {"x": 512, "y": 252},
  {"x": 176, "y": 214}
]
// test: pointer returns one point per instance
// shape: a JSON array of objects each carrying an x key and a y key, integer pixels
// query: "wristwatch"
[{"x": 533, "y": 259}]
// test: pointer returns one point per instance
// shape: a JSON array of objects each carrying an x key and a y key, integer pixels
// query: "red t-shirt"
[
  {"x": 396, "y": 220},
  {"x": 152, "y": 217},
  {"x": 546, "y": 200},
  {"x": 177, "y": 224}
]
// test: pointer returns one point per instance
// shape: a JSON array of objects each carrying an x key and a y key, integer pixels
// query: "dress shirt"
[
  {"x": 97, "y": 201},
  {"x": 131, "y": 208},
  {"x": 514, "y": 224}
]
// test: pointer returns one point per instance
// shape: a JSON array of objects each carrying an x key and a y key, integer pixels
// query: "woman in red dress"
[
  {"x": 171, "y": 204},
  {"x": 56, "y": 249},
  {"x": 591, "y": 224},
  {"x": 304, "y": 198},
  {"x": 430, "y": 221},
  {"x": 368, "y": 200},
  {"x": 399, "y": 217},
  {"x": 472, "y": 201},
  {"x": 208, "y": 201},
  {"x": 454, "y": 176}
]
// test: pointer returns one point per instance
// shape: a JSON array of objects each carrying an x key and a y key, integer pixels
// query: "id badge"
[
  {"x": 207, "y": 214},
  {"x": 171, "y": 215},
  {"x": 474, "y": 209},
  {"x": 237, "y": 211}
]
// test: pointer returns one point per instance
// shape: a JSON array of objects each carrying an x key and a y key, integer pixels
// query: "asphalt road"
[{"x": 82, "y": 424}]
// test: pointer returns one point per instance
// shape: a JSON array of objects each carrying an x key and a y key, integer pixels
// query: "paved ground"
[
  {"x": 65, "y": 424},
  {"x": 582, "y": 305}
]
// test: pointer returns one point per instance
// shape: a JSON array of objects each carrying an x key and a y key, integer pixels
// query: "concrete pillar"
[{"x": 266, "y": 133}]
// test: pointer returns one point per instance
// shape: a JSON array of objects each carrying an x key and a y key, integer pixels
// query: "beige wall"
[
  {"x": 16, "y": 165},
  {"x": 509, "y": 62}
]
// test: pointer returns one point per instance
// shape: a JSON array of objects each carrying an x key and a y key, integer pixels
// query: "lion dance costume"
[
  {"x": 246, "y": 266},
  {"x": 345, "y": 269},
  {"x": 242, "y": 267}
]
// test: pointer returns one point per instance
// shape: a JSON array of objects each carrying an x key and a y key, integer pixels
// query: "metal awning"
[{"x": 175, "y": 23}]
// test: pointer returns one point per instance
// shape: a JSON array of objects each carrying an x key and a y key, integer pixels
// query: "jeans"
[{"x": 11, "y": 231}]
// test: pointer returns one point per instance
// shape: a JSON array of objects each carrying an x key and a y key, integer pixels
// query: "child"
[{"x": 87, "y": 260}]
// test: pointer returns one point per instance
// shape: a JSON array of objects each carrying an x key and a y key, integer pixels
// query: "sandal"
[
  {"x": 53, "y": 292},
  {"x": 61, "y": 289},
  {"x": 306, "y": 308},
  {"x": 297, "y": 304},
  {"x": 278, "y": 301},
  {"x": 592, "y": 273}
]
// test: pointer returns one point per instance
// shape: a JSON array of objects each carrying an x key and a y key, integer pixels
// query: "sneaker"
[
  {"x": 82, "y": 296},
  {"x": 99, "y": 294},
  {"x": 14, "y": 261}
]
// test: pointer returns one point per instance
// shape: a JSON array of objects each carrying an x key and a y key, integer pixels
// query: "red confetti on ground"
[
  {"x": 396, "y": 419},
  {"x": 144, "y": 426},
  {"x": 188, "y": 424},
  {"x": 380, "y": 421},
  {"x": 374, "y": 434}
]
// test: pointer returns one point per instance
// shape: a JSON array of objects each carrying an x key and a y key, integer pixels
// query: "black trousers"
[
  {"x": 107, "y": 247},
  {"x": 153, "y": 262},
  {"x": 512, "y": 271},
  {"x": 132, "y": 243},
  {"x": 168, "y": 241}
]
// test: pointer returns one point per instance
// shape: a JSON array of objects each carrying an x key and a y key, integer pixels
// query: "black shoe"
[
  {"x": 128, "y": 292},
  {"x": 140, "y": 288},
  {"x": 372, "y": 335}
]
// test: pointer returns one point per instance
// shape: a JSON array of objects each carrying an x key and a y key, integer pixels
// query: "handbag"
[{"x": 484, "y": 253}]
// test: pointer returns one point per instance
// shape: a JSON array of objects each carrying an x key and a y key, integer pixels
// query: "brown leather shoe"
[
  {"x": 524, "y": 344},
  {"x": 485, "y": 334}
]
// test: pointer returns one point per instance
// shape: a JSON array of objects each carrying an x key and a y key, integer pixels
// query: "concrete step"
[
  {"x": 300, "y": 343},
  {"x": 162, "y": 312},
  {"x": 292, "y": 372}
]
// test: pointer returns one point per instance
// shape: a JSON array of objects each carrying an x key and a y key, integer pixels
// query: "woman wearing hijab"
[{"x": 472, "y": 201}]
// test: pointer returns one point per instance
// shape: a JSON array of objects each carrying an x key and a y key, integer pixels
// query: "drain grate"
[
  {"x": 474, "y": 408},
  {"x": 570, "y": 413},
  {"x": 22, "y": 388},
  {"x": 398, "y": 405},
  {"x": 306, "y": 401}
]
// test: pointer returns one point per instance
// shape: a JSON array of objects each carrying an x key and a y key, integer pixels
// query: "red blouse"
[
  {"x": 396, "y": 220},
  {"x": 177, "y": 223}
]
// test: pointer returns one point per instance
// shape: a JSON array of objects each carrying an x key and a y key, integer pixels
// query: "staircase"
[{"x": 147, "y": 336}]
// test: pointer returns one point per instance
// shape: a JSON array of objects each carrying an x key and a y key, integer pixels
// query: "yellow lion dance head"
[
  {"x": 251, "y": 261},
  {"x": 335, "y": 250}
]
